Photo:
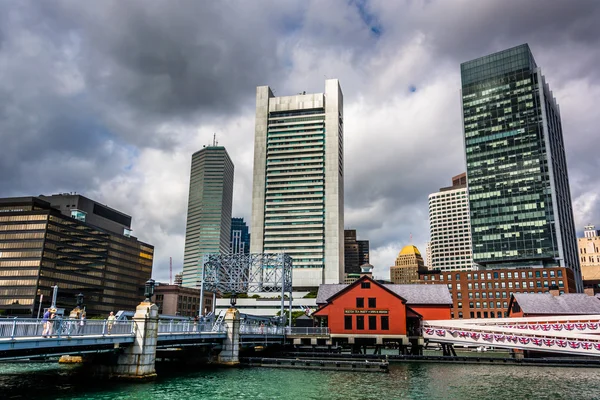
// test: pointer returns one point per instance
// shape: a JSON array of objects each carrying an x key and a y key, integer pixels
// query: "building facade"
[
  {"x": 486, "y": 294},
  {"x": 519, "y": 196},
  {"x": 363, "y": 252},
  {"x": 589, "y": 255},
  {"x": 240, "y": 236},
  {"x": 409, "y": 264},
  {"x": 450, "y": 227},
  {"x": 41, "y": 247},
  {"x": 180, "y": 301},
  {"x": 208, "y": 226},
  {"x": 298, "y": 188}
]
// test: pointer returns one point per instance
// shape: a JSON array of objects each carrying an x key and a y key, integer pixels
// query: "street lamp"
[
  {"x": 79, "y": 300},
  {"x": 149, "y": 290}
]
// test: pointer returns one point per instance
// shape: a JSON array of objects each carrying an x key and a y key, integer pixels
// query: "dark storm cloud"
[{"x": 112, "y": 97}]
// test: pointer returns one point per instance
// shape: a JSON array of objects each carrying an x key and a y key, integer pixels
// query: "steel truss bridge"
[
  {"x": 575, "y": 335},
  {"x": 22, "y": 337}
]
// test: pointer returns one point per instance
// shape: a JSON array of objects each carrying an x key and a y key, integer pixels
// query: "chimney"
[{"x": 553, "y": 290}]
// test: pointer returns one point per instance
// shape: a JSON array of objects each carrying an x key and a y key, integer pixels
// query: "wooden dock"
[{"x": 380, "y": 365}]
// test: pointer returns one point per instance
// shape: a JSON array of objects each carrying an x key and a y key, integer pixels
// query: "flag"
[
  {"x": 523, "y": 340},
  {"x": 536, "y": 341},
  {"x": 440, "y": 332},
  {"x": 548, "y": 342},
  {"x": 574, "y": 345}
]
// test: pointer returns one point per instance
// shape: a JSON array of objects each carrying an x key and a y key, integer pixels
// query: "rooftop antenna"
[
  {"x": 170, "y": 270},
  {"x": 214, "y": 139}
]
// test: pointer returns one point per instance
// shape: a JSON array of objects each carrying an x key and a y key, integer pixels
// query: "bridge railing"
[
  {"x": 307, "y": 331},
  {"x": 175, "y": 326},
  {"x": 31, "y": 327},
  {"x": 253, "y": 329}
]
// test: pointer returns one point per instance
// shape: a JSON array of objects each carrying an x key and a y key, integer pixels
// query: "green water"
[{"x": 404, "y": 381}]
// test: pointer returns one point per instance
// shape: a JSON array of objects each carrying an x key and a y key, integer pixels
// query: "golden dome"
[{"x": 410, "y": 249}]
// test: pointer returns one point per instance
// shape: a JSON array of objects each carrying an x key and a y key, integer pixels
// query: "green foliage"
[
  {"x": 295, "y": 315},
  {"x": 311, "y": 295}
]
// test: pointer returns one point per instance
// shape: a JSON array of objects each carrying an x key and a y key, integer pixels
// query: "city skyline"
[{"x": 118, "y": 120}]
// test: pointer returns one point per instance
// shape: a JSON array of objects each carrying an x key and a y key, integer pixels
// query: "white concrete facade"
[
  {"x": 298, "y": 188},
  {"x": 450, "y": 230}
]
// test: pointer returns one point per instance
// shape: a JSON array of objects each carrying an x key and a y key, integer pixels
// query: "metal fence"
[
  {"x": 178, "y": 326},
  {"x": 254, "y": 329},
  {"x": 307, "y": 331}
]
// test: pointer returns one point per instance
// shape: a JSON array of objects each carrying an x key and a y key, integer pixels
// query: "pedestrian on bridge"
[
  {"x": 110, "y": 321},
  {"x": 81, "y": 323},
  {"x": 46, "y": 323}
]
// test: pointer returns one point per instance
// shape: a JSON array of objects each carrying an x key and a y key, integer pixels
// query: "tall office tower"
[
  {"x": 363, "y": 252},
  {"x": 351, "y": 261},
  {"x": 208, "y": 228},
  {"x": 428, "y": 254},
  {"x": 449, "y": 228},
  {"x": 298, "y": 191},
  {"x": 408, "y": 265},
  {"x": 519, "y": 196},
  {"x": 240, "y": 237}
]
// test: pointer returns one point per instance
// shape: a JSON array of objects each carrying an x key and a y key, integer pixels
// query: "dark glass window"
[
  {"x": 360, "y": 323},
  {"x": 385, "y": 323},
  {"x": 365, "y": 285},
  {"x": 372, "y": 302},
  {"x": 372, "y": 322},
  {"x": 360, "y": 302},
  {"x": 348, "y": 322}
]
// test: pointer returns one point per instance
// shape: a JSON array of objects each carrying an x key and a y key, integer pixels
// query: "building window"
[
  {"x": 460, "y": 315},
  {"x": 372, "y": 322},
  {"x": 348, "y": 322},
  {"x": 559, "y": 273},
  {"x": 458, "y": 286},
  {"x": 458, "y": 277},
  {"x": 459, "y": 304},
  {"x": 365, "y": 285},
  {"x": 385, "y": 323},
  {"x": 360, "y": 323},
  {"x": 360, "y": 302},
  {"x": 372, "y": 302}
]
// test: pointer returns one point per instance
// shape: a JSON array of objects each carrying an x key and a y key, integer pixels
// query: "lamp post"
[
  {"x": 149, "y": 290},
  {"x": 54, "y": 295},
  {"x": 79, "y": 300}
]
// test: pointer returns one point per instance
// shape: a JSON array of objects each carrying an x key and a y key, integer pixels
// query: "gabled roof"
[
  {"x": 565, "y": 304},
  {"x": 414, "y": 294}
]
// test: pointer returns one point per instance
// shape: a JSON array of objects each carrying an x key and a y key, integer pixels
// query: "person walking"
[
  {"x": 81, "y": 323},
  {"x": 46, "y": 323},
  {"x": 110, "y": 322}
]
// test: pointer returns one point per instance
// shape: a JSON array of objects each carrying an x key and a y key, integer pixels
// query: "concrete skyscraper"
[
  {"x": 208, "y": 228},
  {"x": 519, "y": 196},
  {"x": 450, "y": 228},
  {"x": 298, "y": 190}
]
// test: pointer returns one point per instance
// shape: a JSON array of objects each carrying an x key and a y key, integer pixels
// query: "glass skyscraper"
[
  {"x": 519, "y": 196},
  {"x": 240, "y": 237},
  {"x": 298, "y": 189},
  {"x": 208, "y": 227}
]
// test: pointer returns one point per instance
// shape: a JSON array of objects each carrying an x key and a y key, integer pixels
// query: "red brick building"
[
  {"x": 179, "y": 300},
  {"x": 374, "y": 313},
  {"x": 486, "y": 293}
]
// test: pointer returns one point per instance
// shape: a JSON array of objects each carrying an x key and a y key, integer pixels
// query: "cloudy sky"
[{"x": 111, "y": 98}]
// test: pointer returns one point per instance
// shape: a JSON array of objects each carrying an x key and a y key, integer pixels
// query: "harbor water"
[{"x": 404, "y": 381}]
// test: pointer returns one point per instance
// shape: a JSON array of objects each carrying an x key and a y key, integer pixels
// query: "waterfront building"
[
  {"x": 298, "y": 187},
  {"x": 486, "y": 293},
  {"x": 240, "y": 237},
  {"x": 519, "y": 196},
  {"x": 589, "y": 254},
  {"x": 548, "y": 304},
  {"x": 42, "y": 246},
  {"x": 208, "y": 226},
  {"x": 409, "y": 264},
  {"x": 179, "y": 300},
  {"x": 369, "y": 313},
  {"x": 450, "y": 227}
]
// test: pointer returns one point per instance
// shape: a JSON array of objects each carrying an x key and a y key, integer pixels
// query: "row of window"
[{"x": 349, "y": 323}]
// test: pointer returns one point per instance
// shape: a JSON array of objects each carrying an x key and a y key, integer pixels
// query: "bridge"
[{"x": 575, "y": 334}]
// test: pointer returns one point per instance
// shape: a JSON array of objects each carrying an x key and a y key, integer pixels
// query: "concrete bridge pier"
[
  {"x": 230, "y": 354},
  {"x": 138, "y": 360}
]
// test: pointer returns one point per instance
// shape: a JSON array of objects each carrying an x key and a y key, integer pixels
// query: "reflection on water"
[{"x": 405, "y": 381}]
